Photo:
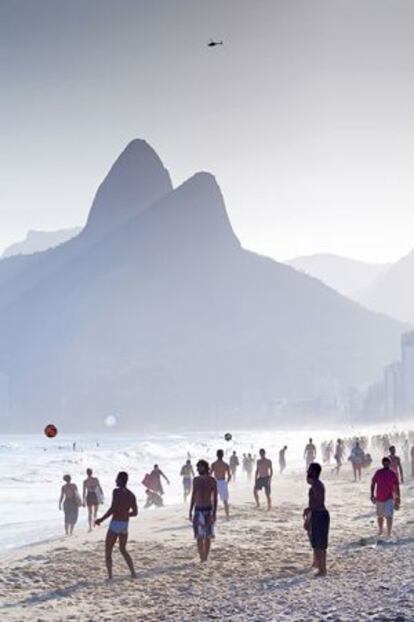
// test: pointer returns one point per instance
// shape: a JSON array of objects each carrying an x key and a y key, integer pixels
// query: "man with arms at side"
[
  {"x": 92, "y": 496},
  {"x": 396, "y": 465},
  {"x": 221, "y": 472},
  {"x": 263, "y": 478},
  {"x": 124, "y": 507},
  {"x": 204, "y": 504},
  {"x": 385, "y": 493}
]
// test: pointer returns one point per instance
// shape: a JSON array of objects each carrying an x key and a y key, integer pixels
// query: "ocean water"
[{"x": 32, "y": 467}]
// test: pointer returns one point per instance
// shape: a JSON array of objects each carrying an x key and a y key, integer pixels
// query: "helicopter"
[{"x": 212, "y": 43}]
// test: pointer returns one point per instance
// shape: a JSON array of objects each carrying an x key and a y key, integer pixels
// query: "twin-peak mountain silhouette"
[{"x": 155, "y": 312}]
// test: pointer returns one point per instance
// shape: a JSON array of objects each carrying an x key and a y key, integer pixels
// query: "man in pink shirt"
[{"x": 385, "y": 493}]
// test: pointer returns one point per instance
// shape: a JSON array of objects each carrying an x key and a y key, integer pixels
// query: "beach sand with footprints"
[{"x": 259, "y": 568}]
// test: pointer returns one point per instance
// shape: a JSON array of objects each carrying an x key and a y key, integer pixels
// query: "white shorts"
[
  {"x": 385, "y": 508},
  {"x": 223, "y": 489}
]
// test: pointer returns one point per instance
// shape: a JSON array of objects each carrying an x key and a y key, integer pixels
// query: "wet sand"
[{"x": 259, "y": 568}]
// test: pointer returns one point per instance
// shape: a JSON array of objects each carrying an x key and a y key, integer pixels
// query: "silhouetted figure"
[
  {"x": 282, "y": 459},
  {"x": 317, "y": 518},
  {"x": 310, "y": 453},
  {"x": 357, "y": 458},
  {"x": 234, "y": 463},
  {"x": 92, "y": 496},
  {"x": 263, "y": 478},
  {"x": 124, "y": 507},
  {"x": 204, "y": 504},
  {"x": 187, "y": 473},
  {"x": 71, "y": 501},
  {"x": 396, "y": 465},
  {"x": 220, "y": 470}
]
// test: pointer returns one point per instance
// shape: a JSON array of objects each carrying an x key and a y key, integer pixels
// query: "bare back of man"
[
  {"x": 263, "y": 477},
  {"x": 123, "y": 507},
  {"x": 221, "y": 472},
  {"x": 204, "y": 504}
]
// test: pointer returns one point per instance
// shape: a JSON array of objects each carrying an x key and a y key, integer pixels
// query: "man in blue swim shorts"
[{"x": 124, "y": 507}]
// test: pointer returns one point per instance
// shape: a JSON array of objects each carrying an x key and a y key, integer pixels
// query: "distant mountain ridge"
[
  {"x": 391, "y": 292},
  {"x": 348, "y": 276},
  {"x": 155, "y": 312},
  {"x": 37, "y": 241}
]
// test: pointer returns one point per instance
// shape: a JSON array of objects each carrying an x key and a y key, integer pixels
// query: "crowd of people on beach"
[{"x": 211, "y": 485}]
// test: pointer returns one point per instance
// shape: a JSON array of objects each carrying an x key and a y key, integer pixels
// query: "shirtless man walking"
[
  {"x": 204, "y": 505},
  {"x": 310, "y": 453},
  {"x": 92, "y": 493},
  {"x": 396, "y": 465},
  {"x": 187, "y": 473},
  {"x": 124, "y": 507},
  {"x": 263, "y": 478},
  {"x": 220, "y": 470}
]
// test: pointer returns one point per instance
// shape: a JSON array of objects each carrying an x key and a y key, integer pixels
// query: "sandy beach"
[{"x": 259, "y": 568}]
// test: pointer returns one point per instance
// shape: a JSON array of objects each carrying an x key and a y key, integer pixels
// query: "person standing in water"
[
  {"x": 263, "y": 478},
  {"x": 234, "y": 463},
  {"x": 92, "y": 496},
  {"x": 385, "y": 494},
  {"x": 123, "y": 507},
  {"x": 187, "y": 473},
  {"x": 317, "y": 519},
  {"x": 310, "y": 453},
  {"x": 282, "y": 459},
  {"x": 396, "y": 465},
  {"x": 220, "y": 470},
  {"x": 70, "y": 498},
  {"x": 204, "y": 505},
  {"x": 155, "y": 476}
]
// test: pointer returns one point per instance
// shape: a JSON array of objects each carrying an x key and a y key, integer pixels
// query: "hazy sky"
[{"x": 305, "y": 115}]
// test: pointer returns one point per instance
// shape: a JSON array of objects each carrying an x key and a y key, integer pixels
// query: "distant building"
[
  {"x": 407, "y": 364},
  {"x": 393, "y": 389},
  {"x": 4, "y": 396}
]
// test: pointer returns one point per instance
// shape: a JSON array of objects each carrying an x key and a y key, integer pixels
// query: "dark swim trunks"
[
  {"x": 319, "y": 529},
  {"x": 92, "y": 498},
  {"x": 203, "y": 523},
  {"x": 263, "y": 482}
]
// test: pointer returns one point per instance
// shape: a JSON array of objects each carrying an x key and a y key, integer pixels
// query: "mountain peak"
[{"x": 135, "y": 181}]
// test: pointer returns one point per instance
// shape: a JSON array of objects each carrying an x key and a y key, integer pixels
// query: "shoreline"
[{"x": 259, "y": 567}]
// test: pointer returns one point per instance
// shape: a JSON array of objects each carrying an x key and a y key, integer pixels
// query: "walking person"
[
  {"x": 71, "y": 500},
  {"x": 204, "y": 505},
  {"x": 234, "y": 463},
  {"x": 309, "y": 454},
  {"x": 123, "y": 507},
  {"x": 263, "y": 479},
  {"x": 92, "y": 496},
  {"x": 357, "y": 460},
  {"x": 282, "y": 459},
  {"x": 220, "y": 470},
  {"x": 317, "y": 518},
  {"x": 187, "y": 473},
  {"x": 385, "y": 494}
]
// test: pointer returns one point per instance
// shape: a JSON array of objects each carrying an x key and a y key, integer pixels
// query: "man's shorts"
[
  {"x": 118, "y": 526},
  {"x": 385, "y": 508},
  {"x": 223, "y": 489},
  {"x": 263, "y": 482},
  {"x": 203, "y": 523},
  {"x": 187, "y": 484}
]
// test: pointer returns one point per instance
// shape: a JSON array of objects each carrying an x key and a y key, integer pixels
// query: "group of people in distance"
[
  {"x": 210, "y": 484},
  {"x": 70, "y": 500}
]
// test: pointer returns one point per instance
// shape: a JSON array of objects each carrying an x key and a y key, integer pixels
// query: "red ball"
[{"x": 51, "y": 430}]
